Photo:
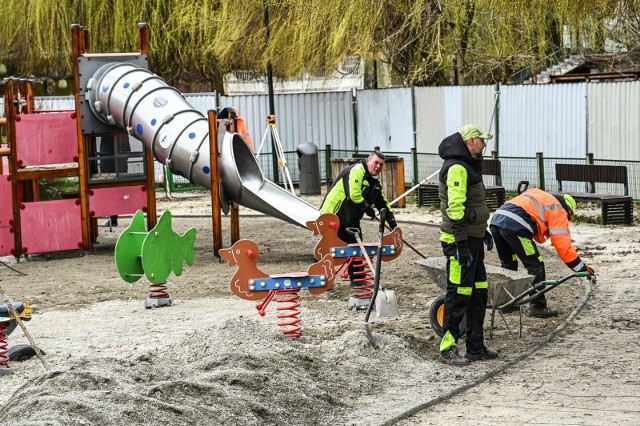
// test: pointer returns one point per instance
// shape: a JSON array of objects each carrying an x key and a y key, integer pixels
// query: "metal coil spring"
[
  {"x": 362, "y": 278},
  {"x": 4, "y": 358},
  {"x": 289, "y": 312},
  {"x": 158, "y": 291}
]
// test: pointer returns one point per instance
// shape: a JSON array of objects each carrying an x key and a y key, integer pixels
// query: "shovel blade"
[{"x": 386, "y": 305}]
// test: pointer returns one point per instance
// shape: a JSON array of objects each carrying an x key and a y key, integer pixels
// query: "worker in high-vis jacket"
[
  {"x": 462, "y": 233},
  {"x": 535, "y": 216},
  {"x": 236, "y": 124},
  {"x": 354, "y": 193}
]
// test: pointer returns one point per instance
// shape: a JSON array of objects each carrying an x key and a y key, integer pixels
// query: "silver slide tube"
[{"x": 135, "y": 99}]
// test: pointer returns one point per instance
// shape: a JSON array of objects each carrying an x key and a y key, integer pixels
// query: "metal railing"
[{"x": 539, "y": 171}]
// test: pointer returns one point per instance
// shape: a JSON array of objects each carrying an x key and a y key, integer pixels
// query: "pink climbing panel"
[
  {"x": 6, "y": 207},
  {"x": 43, "y": 139},
  {"x": 49, "y": 226},
  {"x": 117, "y": 200},
  {"x": 6, "y": 241},
  {"x": 6, "y": 214}
]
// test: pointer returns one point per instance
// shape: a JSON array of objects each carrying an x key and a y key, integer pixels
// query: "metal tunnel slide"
[{"x": 135, "y": 99}]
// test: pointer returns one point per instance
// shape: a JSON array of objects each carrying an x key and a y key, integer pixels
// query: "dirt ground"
[{"x": 211, "y": 359}]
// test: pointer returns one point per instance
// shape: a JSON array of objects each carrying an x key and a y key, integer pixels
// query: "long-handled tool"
[
  {"x": 16, "y": 315},
  {"x": 386, "y": 305},
  {"x": 409, "y": 191},
  {"x": 376, "y": 285}
]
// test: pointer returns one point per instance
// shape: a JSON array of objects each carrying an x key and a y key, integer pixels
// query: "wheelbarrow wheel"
[{"x": 436, "y": 317}]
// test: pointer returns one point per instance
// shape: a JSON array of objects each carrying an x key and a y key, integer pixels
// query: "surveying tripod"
[{"x": 282, "y": 161}]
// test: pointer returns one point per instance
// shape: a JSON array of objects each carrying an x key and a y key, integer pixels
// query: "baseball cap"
[{"x": 471, "y": 131}]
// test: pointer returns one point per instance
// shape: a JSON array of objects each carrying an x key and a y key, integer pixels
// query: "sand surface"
[{"x": 211, "y": 359}]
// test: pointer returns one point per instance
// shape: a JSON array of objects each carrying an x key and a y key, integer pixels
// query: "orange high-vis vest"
[
  {"x": 551, "y": 220},
  {"x": 241, "y": 129}
]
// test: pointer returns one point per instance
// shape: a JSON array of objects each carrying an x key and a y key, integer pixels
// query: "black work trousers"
[
  {"x": 354, "y": 272},
  {"x": 512, "y": 247},
  {"x": 467, "y": 293}
]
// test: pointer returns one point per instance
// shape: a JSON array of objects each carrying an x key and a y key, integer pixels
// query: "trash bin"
[{"x": 309, "y": 169}]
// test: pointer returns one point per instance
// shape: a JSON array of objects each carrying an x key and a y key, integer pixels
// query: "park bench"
[
  {"x": 615, "y": 208},
  {"x": 428, "y": 193}
]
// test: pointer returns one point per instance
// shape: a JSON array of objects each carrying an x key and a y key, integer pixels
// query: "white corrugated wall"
[
  {"x": 202, "y": 102},
  {"x": 614, "y": 120},
  {"x": 319, "y": 118},
  {"x": 543, "y": 118},
  {"x": 441, "y": 111},
  {"x": 385, "y": 119},
  {"x": 430, "y": 118}
]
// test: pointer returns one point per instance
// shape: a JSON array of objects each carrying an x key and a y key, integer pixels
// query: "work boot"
[
  {"x": 451, "y": 357},
  {"x": 538, "y": 312},
  {"x": 485, "y": 355}
]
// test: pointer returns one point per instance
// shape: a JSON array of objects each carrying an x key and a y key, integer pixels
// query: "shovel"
[{"x": 386, "y": 305}]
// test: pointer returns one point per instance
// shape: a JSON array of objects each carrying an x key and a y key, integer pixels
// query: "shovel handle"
[{"x": 356, "y": 234}]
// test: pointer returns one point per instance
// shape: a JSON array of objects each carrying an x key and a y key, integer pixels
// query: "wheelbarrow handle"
[
  {"x": 554, "y": 283},
  {"x": 538, "y": 289}
]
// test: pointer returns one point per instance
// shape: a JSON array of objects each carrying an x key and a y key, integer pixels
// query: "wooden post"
[
  {"x": 10, "y": 113},
  {"x": 4, "y": 152},
  {"x": 152, "y": 219},
  {"x": 401, "y": 182},
  {"x": 216, "y": 216},
  {"x": 79, "y": 41},
  {"x": 235, "y": 223}
]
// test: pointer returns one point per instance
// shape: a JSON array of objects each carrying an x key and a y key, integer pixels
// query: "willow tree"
[
  {"x": 516, "y": 34},
  {"x": 36, "y": 36}
]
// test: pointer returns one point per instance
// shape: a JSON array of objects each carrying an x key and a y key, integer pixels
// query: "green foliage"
[
  {"x": 52, "y": 189},
  {"x": 587, "y": 218}
]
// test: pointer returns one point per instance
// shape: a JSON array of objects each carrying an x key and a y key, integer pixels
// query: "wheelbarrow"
[
  {"x": 505, "y": 299},
  {"x": 502, "y": 284}
]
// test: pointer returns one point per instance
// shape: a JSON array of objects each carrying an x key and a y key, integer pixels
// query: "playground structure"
[
  {"x": 116, "y": 97},
  {"x": 250, "y": 283},
  {"x": 43, "y": 145},
  {"x": 117, "y": 93},
  {"x": 344, "y": 255},
  {"x": 332, "y": 255},
  {"x": 153, "y": 254}
]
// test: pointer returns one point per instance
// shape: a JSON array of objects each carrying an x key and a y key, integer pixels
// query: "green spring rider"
[{"x": 153, "y": 254}]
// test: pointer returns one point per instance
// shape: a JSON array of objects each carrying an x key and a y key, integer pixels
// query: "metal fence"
[
  {"x": 548, "y": 118},
  {"x": 539, "y": 171}
]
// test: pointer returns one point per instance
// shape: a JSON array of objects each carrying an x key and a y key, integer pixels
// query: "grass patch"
[{"x": 52, "y": 189}]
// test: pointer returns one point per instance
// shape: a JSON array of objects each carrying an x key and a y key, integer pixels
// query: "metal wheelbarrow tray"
[{"x": 506, "y": 288}]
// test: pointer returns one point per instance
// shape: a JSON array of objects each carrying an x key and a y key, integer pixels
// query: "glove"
[
  {"x": 488, "y": 240},
  {"x": 591, "y": 271},
  {"x": 463, "y": 255},
  {"x": 371, "y": 212}
]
